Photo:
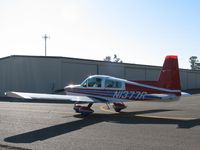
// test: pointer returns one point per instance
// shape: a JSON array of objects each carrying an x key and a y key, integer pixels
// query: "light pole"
[{"x": 45, "y": 40}]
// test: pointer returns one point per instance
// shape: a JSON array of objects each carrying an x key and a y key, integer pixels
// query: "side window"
[
  {"x": 113, "y": 84},
  {"x": 118, "y": 84},
  {"x": 109, "y": 84},
  {"x": 94, "y": 82}
]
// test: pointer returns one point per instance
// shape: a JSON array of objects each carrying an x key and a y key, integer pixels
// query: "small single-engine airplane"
[{"x": 107, "y": 89}]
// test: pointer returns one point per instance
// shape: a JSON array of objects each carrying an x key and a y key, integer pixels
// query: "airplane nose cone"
[{"x": 70, "y": 88}]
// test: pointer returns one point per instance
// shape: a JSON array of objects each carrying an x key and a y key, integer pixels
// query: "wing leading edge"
[{"x": 30, "y": 96}]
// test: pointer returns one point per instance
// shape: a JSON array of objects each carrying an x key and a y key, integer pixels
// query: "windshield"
[{"x": 92, "y": 82}]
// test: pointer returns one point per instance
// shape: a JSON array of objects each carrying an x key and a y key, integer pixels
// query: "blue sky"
[{"x": 138, "y": 31}]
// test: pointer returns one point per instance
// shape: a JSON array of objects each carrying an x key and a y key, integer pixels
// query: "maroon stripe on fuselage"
[{"x": 130, "y": 87}]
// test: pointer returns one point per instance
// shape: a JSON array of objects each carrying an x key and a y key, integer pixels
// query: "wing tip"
[{"x": 16, "y": 95}]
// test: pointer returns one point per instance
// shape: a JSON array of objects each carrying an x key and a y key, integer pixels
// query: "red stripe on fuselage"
[{"x": 130, "y": 87}]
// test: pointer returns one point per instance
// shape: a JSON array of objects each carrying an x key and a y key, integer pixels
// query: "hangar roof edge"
[{"x": 72, "y": 58}]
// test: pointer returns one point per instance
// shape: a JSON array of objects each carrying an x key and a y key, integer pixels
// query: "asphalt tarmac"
[{"x": 142, "y": 126}]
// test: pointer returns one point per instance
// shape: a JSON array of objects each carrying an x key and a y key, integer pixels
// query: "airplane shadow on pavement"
[{"x": 123, "y": 118}]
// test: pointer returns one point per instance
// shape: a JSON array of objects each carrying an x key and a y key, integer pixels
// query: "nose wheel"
[
  {"x": 119, "y": 106},
  {"x": 83, "y": 110}
]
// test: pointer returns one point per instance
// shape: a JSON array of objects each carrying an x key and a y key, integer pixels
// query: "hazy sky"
[{"x": 138, "y": 31}]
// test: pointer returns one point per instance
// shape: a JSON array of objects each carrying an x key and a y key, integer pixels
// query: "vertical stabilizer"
[{"x": 169, "y": 75}]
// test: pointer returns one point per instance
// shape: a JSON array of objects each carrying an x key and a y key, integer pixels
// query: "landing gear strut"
[{"x": 119, "y": 106}]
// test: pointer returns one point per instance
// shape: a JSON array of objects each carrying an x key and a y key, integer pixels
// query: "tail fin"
[{"x": 169, "y": 75}]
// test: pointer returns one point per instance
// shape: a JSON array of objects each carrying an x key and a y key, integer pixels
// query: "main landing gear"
[
  {"x": 83, "y": 110},
  {"x": 119, "y": 106}
]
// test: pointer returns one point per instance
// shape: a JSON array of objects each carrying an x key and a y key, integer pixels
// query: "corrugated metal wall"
[{"x": 46, "y": 74}]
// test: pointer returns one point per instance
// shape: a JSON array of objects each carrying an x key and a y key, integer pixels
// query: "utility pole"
[{"x": 45, "y": 40}]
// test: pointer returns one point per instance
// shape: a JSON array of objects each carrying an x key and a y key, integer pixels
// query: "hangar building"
[{"x": 47, "y": 74}]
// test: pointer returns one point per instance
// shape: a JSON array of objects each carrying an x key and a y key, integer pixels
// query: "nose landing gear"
[{"x": 83, "y": 110}]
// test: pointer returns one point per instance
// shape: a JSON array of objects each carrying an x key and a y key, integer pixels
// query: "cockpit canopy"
[{"x": 105, "y": 82}]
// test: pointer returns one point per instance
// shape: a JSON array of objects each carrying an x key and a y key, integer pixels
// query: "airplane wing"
[
  {"x": 88, "y": 99},
  {"x": 43, "y": 97}
]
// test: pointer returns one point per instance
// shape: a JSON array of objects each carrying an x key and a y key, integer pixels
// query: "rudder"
[{"x": 169, "y": 75}]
